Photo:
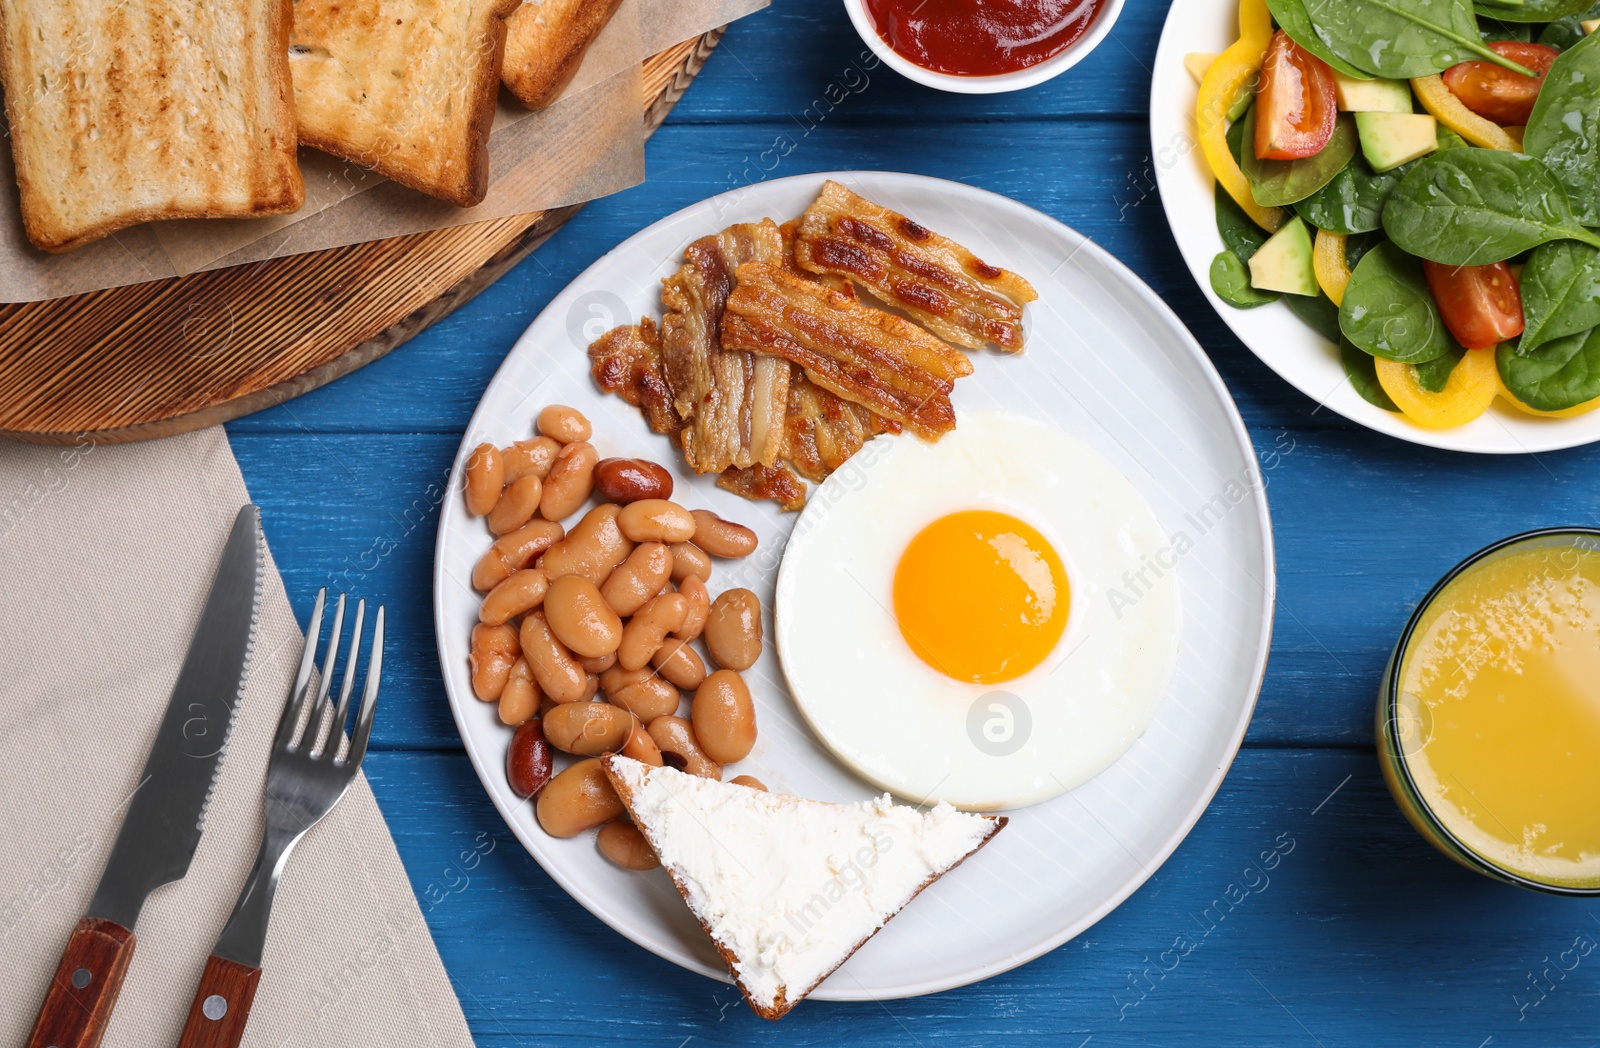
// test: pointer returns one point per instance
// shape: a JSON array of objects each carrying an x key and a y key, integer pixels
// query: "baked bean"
[
  {"x": 571, "y": 478},
  {"x": 528, "y": 759},
  {"x": 562, "y": 423},
  {"x": 518, "y": 503},
  {"x": 642, "y": 692},
  {"x": 519, "y": 699},
  {"x": 750, "y": 781},
  {"x": 513, "y": 552},
  {"x": 689, "y": 559},
  {"x": 649, "y": 626},
  {"x": 641, "y": 747},
  {"x": 591, "y": 686},
  {"x": 578, "y": 799},
  {"x": 486, "y": 475},
  {"x": 588, "y": 728},
  {"x": 723, "y": 716},
  {"x": 733, "y": 631},
  {"x": 699, "y": 598},
  {"x": 521, "y": 591},
  {"x": 722, "y": 538},
  {"x": 674, "y": 736},
  {"x": 638, "y": 578},
  {"x": 599, "y": 665},
  {"x": 679, "y": 663},
  {"x": 593, "y": 548},
  {"x": 624, "y": 480},
  {"x": 554, "y": 669},
  {"x": 656, "y": 520},
  {"x": 581, "y": 618},
  {"x": 529, "y": 458},
  {"x": 494, "y": 649},
  {"x": 621, "y": 842}
]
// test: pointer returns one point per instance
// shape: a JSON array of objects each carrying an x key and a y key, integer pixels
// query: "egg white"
[{"x": 908, "y": 728}]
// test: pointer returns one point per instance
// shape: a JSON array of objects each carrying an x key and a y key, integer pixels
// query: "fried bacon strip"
[
  {"x": 627, "y": 362},
  {"x": 957, "y": 295},
  {"x": 777, "y": 483},
  {"x": 880, "y": 361},
  {"x": 824, "y": 429},
  {"x": 733, "y": 402}
]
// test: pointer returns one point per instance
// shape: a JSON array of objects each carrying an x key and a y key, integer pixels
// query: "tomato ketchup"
[{"x": 981, "y": 37}]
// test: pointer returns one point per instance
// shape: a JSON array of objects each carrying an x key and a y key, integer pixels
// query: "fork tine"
[
  {"x": 314, "y": 724},
  {"x": 302, "y": 676},
  {"x": 369, "y": 696},
  {"x": 336, "y": 729}
]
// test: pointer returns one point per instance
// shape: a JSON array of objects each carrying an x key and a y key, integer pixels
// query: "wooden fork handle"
[
  {"x": 78, "y": 1007},
  {"x": 221, "y": 1005}
]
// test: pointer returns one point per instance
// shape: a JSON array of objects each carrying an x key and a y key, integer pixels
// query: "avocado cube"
[
  {"x": 1284, "y": 262},
  {"x": 1371, "y": 96},
  {"x": 1391, "y": 139}
]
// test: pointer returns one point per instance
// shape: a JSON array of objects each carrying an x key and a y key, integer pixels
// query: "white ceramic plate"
[
  {"x": 1106, "y": 361},
  {"x": 1303, "y": 358}
]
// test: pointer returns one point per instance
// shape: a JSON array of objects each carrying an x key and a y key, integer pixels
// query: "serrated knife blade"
[{"x": 166, "y": 814}]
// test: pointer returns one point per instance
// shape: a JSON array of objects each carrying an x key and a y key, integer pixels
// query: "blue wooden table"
[{"x": 1360, "y": 935}]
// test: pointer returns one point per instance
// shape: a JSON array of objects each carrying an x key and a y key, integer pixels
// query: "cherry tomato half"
[
  {"x": 1496, "y": 93},
  {"x": 1481, "y": 305},
  {"x": 1295, "y": 102}
]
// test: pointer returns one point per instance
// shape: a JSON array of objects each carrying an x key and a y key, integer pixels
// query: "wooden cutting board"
[{"x": 121, "y": 364}]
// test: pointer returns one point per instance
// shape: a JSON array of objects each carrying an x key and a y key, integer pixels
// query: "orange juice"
[{"x": 1497, "y": 711}]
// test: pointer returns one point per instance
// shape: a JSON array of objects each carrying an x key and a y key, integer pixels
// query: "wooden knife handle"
[
  {"x": 221, "y": 1005},
  {"x": 78, "y": 1007}
]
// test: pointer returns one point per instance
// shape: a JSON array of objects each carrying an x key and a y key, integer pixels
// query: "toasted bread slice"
[
  {"x": 404, "y": 87},
  {"x": 545, "y": 44},
  {"x": 138, "y": 110},
  {"x": 788, "y": 888}
]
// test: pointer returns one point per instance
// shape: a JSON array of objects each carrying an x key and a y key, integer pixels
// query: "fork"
[{"x": 307, "y": 774}]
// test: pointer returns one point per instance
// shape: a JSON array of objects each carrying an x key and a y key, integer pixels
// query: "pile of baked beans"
[{"x": 587, "y": 636}]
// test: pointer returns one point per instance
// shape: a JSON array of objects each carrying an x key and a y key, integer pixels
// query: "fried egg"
[{"x": 988, "y": 620}]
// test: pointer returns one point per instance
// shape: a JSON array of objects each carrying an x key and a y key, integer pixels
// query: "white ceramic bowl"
[{"x": 985, "y": 85}]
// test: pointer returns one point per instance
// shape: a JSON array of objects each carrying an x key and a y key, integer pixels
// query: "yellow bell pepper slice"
[
  {"x": 1572, "y": 412},
  {"x": 1234, "y": 71},
  {"x": 1333, "y": 272},
  {"x": 1448, "y": 110},
  {"x": 1468, "y": 392}
]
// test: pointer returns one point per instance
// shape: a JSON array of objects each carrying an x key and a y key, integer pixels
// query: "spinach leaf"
[
  {"x": 1230, "y": 279},
  {"x": 1560, "y": 292},
  {"x": 1471, "y": 207},
  {"x": 1433, "y": 374},
  {"x": 1388, "y": 310},
  {"x": 1357, "y": 245},
  {"x": 1353, "y": 201},
  {"x": 1490, "y": 28},
  {"x": 1235, "y": 136},
  {"x": 1447, "y": 139},
  {"x": 1401, "y": 39},
  {"x": 1277, "y": 182},
  {"x": 1562, "y": 373},
  {"x": 1530, "y": 10},
  {"x": 1239, "y": 232},
  {"x": 1318, "y": 312},
  {"x": 1567, "y": 32},
  {"x": 1564, "y": 130},
  {"x": 1362, "y": 371},
  {"x": 1292, "y": 19}
]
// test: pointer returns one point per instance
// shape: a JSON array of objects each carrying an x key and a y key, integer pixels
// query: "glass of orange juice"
[{"x": 1489, "y": 716}]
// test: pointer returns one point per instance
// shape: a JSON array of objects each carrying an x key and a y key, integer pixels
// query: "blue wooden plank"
[
  {"x": 803, "y": 61},
  {"x": 1356, "y": 933}
]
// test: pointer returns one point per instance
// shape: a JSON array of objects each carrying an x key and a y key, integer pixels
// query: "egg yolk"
[{"x": 981, "y": 596}]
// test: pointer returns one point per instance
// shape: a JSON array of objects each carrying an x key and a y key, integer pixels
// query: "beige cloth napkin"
[{"x": 106, "y": 554}]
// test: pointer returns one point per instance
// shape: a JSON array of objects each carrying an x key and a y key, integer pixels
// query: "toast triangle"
[{"x": 789, "y": 888}]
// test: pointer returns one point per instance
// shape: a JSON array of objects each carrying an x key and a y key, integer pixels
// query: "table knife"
[{"x": 166, "y": 812}]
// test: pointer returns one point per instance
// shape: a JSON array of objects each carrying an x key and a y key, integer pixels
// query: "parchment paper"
[{"x": 588, "y": 144}]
